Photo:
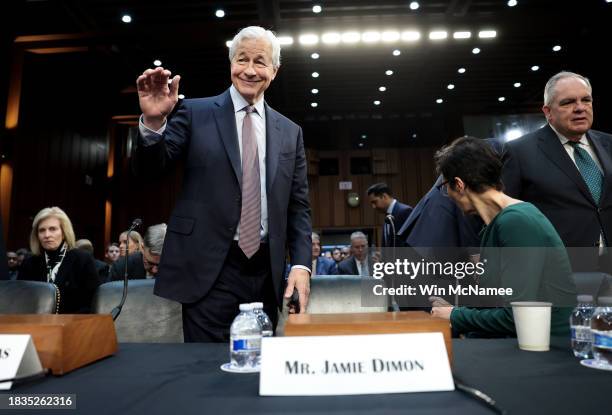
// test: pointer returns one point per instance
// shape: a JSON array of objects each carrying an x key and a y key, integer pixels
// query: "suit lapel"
[
  {"x": 551, "y": 147},
  {"x": 603, "y": 149},
  {"x": 226, "y": 125},
  {"x": 273, "y": 146}
]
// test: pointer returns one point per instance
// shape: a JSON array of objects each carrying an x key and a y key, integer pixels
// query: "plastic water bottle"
[
  {"x": 267, "y": 330},
  {"x": 580, "y": 323},
  {"x": 245, "y": 339},
  {"x": 601, "y": 327}
]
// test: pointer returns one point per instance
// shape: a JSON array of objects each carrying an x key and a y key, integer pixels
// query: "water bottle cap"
[
  {"x": 257, "y": 306},
  {"x": 246, "y": 307},
  {"x": 605, "y": 301},
  {"x": 585, "y": 298}
]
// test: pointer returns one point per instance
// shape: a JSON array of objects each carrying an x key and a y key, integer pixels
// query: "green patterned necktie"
[{"x": 588, "y": 168}]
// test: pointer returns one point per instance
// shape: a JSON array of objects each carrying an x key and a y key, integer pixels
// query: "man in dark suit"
[
  {"x": 565, "y": 169},
  {"x": 321, "y": 265},
  {"x": 360, "y": 262},
  {"x": 382, "y": 200},
  {"x": 245, "y": 191}
]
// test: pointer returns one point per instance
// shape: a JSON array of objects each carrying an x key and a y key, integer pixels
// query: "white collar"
[
  {"x": 583, "y": 140},
  {"x": 391, "y": 206},
  {"x": 239, "y": 102}
]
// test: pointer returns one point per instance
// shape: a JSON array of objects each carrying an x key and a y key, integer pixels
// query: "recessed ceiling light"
[
  {"x": 487, "y": 34},
  {"x": 556, "y": 48},
  {"x": 462, "y": 35},
  {"x": 377, "y": 102},
  {"x": 414, "y": 5},
  {"x": 220, "y": 13},
  {"x": 370, "y": 36},
  {"x": 512, "y": 3},
  {"x": 461, "y": 70},
  {"x": 315, "y": 74},
  {"x": 181, "y": 96},
  {"x": 308, "y": 39},
  {"x": 397, "y": 52},
  {"x": 517, "y": 84},
  {"x": 414, "y": 135},
  {"x": 450, "y": 86},
  {"x": 382, "y": 88},
  {"x": 411, "y": 35},
  {"x": 316, "y": 8},
  {"x": 439, "y": 101},
  {"x": 228, "y": 43},
  {"x": 501, "y": 99},
  {"x": 157, "y": 62},
  {"x": 388, "y": 72},
  {"x": 314, "y": 55},
  {"x": 438, "y": 35},
  {"x": 364, "y": 136},
  {"x": 535, "y": 68},
  {"x": 390, "y": 36},
  {"x": 476, "y": 51},
  {"x": 285, "y": 40},
  {"x": 314, "y": 90},
  {"x": 331, "y": 38},
  {"x": 314, "y": 104},
  {"x": 360, "y": 144},
  {"x": 126, "y": 18},
  {"x": 351, "y": 37}
]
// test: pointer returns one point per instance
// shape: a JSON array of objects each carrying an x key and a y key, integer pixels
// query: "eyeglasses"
[{"x": 443, "y": 188}]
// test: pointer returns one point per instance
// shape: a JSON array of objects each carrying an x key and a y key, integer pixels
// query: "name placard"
[
  {"x": 354, "y": 365},
  {"x": 18, "y": 358}
]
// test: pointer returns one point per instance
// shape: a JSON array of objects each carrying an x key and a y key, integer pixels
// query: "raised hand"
[{"x": 156, "y": 96}]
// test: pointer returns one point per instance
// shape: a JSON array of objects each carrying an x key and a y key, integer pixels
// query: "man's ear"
[{"x": 546, "y": 111}]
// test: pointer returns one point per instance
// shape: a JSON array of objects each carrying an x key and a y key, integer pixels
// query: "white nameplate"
[
  {"x": 354, "y": 365},
  {"x": 18, "y": 358}
]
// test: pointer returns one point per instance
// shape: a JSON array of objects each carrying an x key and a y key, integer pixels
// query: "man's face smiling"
[{"x": 252, "y": 69}]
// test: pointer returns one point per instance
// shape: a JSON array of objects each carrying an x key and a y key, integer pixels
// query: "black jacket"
[{"x": 77, "y": 279}]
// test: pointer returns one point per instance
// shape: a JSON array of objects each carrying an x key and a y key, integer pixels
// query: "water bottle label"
[
  {"x": 602, "y": 340},
  {"x": 246, "y": 345},
  {"x": 582, "y": 334}
]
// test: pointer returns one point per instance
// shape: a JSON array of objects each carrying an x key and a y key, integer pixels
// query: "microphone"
[
  {"x": 117, "y": 310},
  {"x": 390, "y": 220}
]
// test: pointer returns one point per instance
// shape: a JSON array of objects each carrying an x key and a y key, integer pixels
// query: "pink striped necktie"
[{"x": 250, "y": 216}]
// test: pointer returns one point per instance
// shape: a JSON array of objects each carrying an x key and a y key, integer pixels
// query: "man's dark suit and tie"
[
  {"x": 320, "y": 264},
  {"x": 396, "y": 213},
  {"x": 360, "y": 262},
  {"x": 565, "y": 169},
  {"x": 245, "y": 192}
]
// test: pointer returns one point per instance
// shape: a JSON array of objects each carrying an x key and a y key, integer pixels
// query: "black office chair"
[
  {"x": 596, "y": 284},
  {"x": 145, "y": 317},
  {"x": 28, "y": 297}
]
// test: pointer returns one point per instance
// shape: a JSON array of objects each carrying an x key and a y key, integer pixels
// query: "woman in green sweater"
[{"x": 532, "y": 259}]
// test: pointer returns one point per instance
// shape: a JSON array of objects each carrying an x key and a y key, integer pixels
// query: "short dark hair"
[
  {"x": 473, "y": 161},
  {"x": 379, "y": 189}
]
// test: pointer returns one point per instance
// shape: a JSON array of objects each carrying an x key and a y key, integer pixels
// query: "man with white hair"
[
  {"x": 565, "y": 170},
  {"x": 245, "y": 191},
  {"x": 359, "y": 263}
]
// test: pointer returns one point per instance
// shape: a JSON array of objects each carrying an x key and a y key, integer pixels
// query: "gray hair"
[
  {"x": 315, "y": 236},
  {"x": 257, "y": 32},
  {"x": 358, "y": 235},
  {"x": 549, "y": 89},
  {"x": 85, "y": 245},
  {"x": 154, "y": 238}
]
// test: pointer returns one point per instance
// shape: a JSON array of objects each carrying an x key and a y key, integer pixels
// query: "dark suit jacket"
[
  {"x": 326, "y": 266},
  {"x": 349, "y": 266},
  {"x": 77, "y": 279},
  {"x": 537, "y": 169},
  {"x": 400, "y": 213},
  {"x": 437, "y": 222},
  {"x": 202, "y": 226},
  {"x": 136, "y": 268}
]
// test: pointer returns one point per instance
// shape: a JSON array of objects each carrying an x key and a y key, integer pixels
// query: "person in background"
[
  {"x": 321, "y": 265},
  {"x": 13, "y": 265},
  {"x": 23, "y": 254},
  {"x": 381, "y": 200},
  {"x": 112, "y": 253},
  {"x": 359, "y": 262},
  {"x": 101, "y": 267},
  {"x": 472, "y": 179},
  {"x": 345, "y": 252},
  {"x": 135, "y": 244},
  {"x": 55, "y": 260},
  {"x": 153, "y": 247}
]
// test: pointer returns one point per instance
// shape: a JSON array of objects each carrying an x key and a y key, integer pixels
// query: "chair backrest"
[
  {"x": 597, "y": 284},
  {"x": 28, "y": 297},
  {"x": 145, "y": 317}
]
